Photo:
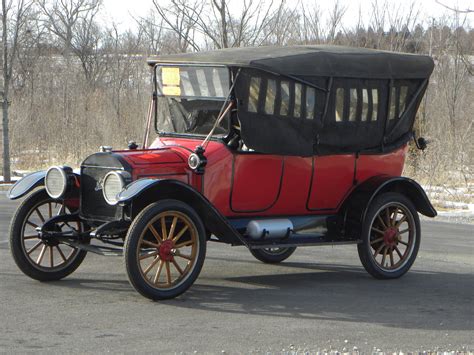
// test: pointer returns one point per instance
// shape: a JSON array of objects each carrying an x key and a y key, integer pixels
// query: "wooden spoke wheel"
[
  {"x": 42, "y": 260},
  {"x": 272, "y": 255},
  {"x": 391, "y": 236},
  {"x": 165, "y": 249}
]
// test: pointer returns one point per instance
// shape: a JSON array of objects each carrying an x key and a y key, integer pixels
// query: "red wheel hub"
[
  {"x": 165, "y": 250},
  {"x": 390, "y": 236}
]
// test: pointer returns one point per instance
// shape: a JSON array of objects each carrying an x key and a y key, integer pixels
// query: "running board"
[{"x": 298, "y": 241}]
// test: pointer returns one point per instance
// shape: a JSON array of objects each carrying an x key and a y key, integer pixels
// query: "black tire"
[
  {"x": 382, "y": 238},
  {"x": 270, "y": 256},
  {"x": 140, "y": 232},
  {"x": 18, "y": 247}
]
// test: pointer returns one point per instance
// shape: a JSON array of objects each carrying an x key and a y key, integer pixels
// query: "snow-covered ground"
[{"x": 454, "y": 204}]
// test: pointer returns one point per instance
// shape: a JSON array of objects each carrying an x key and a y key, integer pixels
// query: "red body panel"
[
  {"x": 256, "y": 182},
  {"x": 252, "y": 184}
]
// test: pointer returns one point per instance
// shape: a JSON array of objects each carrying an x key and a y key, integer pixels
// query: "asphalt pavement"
[{"x": 320, "y": 299}]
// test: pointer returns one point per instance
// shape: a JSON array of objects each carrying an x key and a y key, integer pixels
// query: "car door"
[
  {"x": 332, "y": 180},
  {"x": 256, "y": 182}
]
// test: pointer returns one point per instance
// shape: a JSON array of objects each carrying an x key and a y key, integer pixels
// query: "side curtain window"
[
  {"x": 254, "y": 93},
  {"x": 356, "y": 101},
  {"x": 281, "y": 97},
  {"x": 399, "y": 99}
]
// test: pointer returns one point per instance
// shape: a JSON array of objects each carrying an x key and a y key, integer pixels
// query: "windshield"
[{"x": 190, "y": 99}]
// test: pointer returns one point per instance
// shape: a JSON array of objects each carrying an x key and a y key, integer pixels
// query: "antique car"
[{"x": 271, "y": 148}]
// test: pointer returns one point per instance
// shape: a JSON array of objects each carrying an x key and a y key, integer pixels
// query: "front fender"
[
  {"x": 143, "y": 192},
  {"x": 356, "y": 205},
  {"x": 26, "y": 184}
]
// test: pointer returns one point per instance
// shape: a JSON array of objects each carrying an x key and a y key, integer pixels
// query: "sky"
[{"x": 122, "y": 11}]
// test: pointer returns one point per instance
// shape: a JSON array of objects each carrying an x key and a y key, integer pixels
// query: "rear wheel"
[
  {"x": 272, "y": 255},
  {"x": 390, "y": 236},
  {"x": 165, "y": 249},
  {"x": 38, "y": 259}
]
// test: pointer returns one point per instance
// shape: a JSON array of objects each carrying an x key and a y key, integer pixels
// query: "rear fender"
[
  {"x": 143, "y": 192},
  {"x": 356, "y": 205}
]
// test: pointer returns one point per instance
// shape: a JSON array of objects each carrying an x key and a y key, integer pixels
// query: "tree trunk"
[
  {"x": 6, "y": 141},
  {"x": 6, "y": 82}
]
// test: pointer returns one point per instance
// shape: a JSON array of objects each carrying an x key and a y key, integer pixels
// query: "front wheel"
[
  {"x": 39, "y": 259},
  {"x": 390, "y": 236},
  {"x": 165, "y": 249},
  {"x": 272, "y": 255}
]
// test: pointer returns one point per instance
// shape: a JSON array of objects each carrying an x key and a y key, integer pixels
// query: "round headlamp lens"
[
  {"x": 55, "y": 182},
  {"x": 112, "y": 186}
]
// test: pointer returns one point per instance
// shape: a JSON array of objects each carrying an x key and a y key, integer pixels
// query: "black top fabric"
[{"x": 327, "y": 61}]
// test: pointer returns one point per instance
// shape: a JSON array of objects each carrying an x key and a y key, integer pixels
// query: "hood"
[
  {"x": 132, "y": 159},
  {"x": 152, "y": 156}
]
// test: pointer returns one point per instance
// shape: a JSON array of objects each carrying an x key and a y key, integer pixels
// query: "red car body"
[{"x": 241, "y": 185}]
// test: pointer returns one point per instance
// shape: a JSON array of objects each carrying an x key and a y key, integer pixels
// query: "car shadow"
[{"x": 419, "y": 300}]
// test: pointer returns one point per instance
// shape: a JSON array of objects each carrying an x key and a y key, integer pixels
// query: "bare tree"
[
  {"x": 181, "y": 18},
  {"x": 456, "y": 9},
  {"x": 73, "y": 23},
  {"x": 311, "y": 24},
  {"x": 334, "y": 21},
  {"x": 13, "y": 30},
  {"x": 218, "y": 28}
]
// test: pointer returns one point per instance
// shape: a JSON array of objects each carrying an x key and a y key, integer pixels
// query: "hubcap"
[
  {"x": 390, "y": 236},
  {"x": 166, "y": 250}
]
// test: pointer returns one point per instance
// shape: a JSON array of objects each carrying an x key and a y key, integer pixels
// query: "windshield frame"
[{"x": 155, "y": 99}]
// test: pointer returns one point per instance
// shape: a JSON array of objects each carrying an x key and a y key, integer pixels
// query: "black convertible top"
[{"x": 315, "y": 60}]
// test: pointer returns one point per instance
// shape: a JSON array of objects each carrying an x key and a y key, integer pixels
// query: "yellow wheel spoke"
[
  {"x": 61, "y": 253},
  {"x": 403, "y": 219},
  {"x": 40, "y": 215},
  {"x": 34, "y": 247},
  {"x": 158, "y": 273},
  {"x": 180, "y": 234},
  {"x": 168, "y": 273},
  {"x": 163, "y": 228},
  {"x": 150, "y": 244},
  {"x": 153, "y": 263},
  {"x": 26, "y": 237},
  {"x": 173, "y": 227},
  {"x": 378, "y": 250},
  {"x": 187, "y": 257},
  {"x": 378, "y": 230},
  {"x": 184, "y": 244},
  {"x": 376, "y": 240},
  {"x": 41, "y": 255},
  {"x": 395, "y": 215},
  {"x": 34, "y": 225},
  {"x": 51, "y": 256},
  {"x": 149, "y": 255},
  {"x": 177, "y": 267},
  {"x": 384, "y": 256},
  {"x": 398, "y": 252},
  {"x": 387, "y": 216},
  {"x": 155, "y": 233},
  {"x": 381, "y": 221}
]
